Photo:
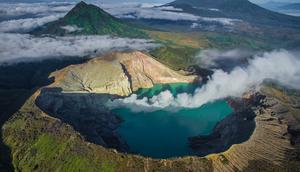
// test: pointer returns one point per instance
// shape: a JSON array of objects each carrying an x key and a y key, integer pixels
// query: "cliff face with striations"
[
  {"x": 117, "y": 74},
  {"x": 271, "y": 146}
]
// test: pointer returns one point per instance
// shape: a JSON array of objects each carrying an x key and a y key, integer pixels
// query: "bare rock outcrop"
[
  {"x": 117, "y": 74},
  {"x": 271, "y": 147}
]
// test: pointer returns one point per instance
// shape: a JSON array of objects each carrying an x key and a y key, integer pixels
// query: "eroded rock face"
[
  {"x": 144, "y": 71},
  {"x": 234, "y": 129},
  {"x": 117, "y": 74},
  {"x": 271, "y": 146},
  {"x": 95, "y": 76},
  {"x": 86, "y": 113}
]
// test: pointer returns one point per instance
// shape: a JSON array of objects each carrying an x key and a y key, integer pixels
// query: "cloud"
[
  {"x": 26, "y": 25},
  {"x": 223, "y": 21},
  {"x": 71, "y": 28},
  {"x": 156, "y": 11},
  {"x": 21, "y": 10},
  {"x": 24, "y": 17},
  {"x": 165, "y": 15},
  {"x": 281, "y": 66},
  {"x": 204, "y": 20},
  {"x": 146, "y": 11},
  {"x": 213, "y": 9},
  {"x": 169, "y": 8},
  {"x": 23, "y": 47}
]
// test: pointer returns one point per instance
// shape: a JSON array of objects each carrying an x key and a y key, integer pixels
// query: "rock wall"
[
  {"x": 117, "y": 74},
  {"x": 269, "y": 148},
  {"x": 86, "y": 113}
]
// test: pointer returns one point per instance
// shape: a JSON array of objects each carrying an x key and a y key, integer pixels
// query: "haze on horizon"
[{"x": 141, "y": 1}]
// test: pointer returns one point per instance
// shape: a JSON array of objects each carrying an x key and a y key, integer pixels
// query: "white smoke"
[{"x": 281, "y": 66}]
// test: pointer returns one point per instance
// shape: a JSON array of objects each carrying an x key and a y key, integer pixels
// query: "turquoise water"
[{"x": 164, "y": 134}]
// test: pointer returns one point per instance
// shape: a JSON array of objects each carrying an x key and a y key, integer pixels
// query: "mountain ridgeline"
[
  {"x": 238, "y": 9},
  {"x": 292, "y": 6},
  {"x": 88, "y": 19}
]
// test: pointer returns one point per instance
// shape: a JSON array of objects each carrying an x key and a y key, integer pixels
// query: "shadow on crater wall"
[
  {"x": 234, "y": 129},
  {"x": 17, "y": 83},
  {"x": 86, "y": 113}
]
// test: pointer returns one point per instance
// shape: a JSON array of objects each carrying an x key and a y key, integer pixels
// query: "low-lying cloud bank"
[
  {"x": 156, "y": 11},
  {"x": 24, "y": 17},
  {"x": 23, "y": 10},
  {"x": 26, "y": 25},
  {"x": 23, "y": 47},
  {"x": 146, "y": 11},
  {"x": 281, "y": 66}
]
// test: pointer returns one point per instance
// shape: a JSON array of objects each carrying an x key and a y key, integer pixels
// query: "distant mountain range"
[
  {"x": 87, "y": 19},
  {"x": 293, "y": 6},
  {"x": 283, "y": 7},
  {"x": 273, "y": 5},
  {"x": 238, "y": 9}
]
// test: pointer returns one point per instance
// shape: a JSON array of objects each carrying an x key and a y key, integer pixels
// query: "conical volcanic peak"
[{"x": 88, "y": 19}]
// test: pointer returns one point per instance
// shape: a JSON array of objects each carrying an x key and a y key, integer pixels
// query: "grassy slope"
[{"x": 179, "y": 49}]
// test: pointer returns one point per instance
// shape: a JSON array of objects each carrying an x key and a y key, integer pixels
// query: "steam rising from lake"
[{"x": 281, "y": 66}]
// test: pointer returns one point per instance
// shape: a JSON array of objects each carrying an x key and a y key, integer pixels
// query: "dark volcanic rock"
[
  {"x": 86, "y": 113},
  {"x": 234, "y": 129}
]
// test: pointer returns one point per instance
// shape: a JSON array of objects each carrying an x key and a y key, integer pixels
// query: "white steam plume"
[{"x": 281, "y": 66}]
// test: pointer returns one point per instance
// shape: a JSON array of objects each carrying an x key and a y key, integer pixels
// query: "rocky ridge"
[
  {"x": 117, "y": 74},
  {"x": 269, "y": 148}
]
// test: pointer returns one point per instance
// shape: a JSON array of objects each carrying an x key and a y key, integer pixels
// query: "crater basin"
[{"x": 164, "y": 134}]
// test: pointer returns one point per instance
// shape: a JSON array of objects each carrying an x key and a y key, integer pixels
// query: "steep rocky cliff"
[
  {"x": 117, "y": 74},
  {"x": 271, "y": 146}
]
